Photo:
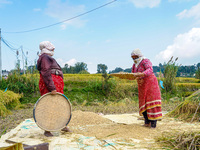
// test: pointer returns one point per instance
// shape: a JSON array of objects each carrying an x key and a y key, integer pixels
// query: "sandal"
[
  {"x": 66, "y": 129},
  {"x": 48, "y": 134}
]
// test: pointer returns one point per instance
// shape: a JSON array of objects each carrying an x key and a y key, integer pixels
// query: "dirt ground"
[
  {"x": 127, "y": 127},
  {"x": 17, "y": 116},
  {"x": 123, "y": 127}
]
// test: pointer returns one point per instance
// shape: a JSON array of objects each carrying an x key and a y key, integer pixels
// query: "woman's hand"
[
  {"x": 53, "y": 92},
  {"x": 139, "y": 81},
  {"x": 139, "y": 74}
]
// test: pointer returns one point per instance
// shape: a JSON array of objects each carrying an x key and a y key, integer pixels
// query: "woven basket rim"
[
  {"x": 124, "y": 75},
  {"x": 38, "y": 102}
]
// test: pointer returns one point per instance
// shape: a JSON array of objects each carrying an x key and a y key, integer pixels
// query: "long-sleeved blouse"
[
  {"x": 47, "y": 66},
  {"x": 145, "y": 67}
]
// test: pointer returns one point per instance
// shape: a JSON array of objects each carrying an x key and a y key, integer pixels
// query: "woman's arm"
[
  {"x": 148, "y": 67},
  {"x": 46, "y": 73}
]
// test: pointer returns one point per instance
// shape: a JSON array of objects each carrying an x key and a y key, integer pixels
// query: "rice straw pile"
[
  {"x": 188, "y": 110},
  {"x": 124, "y": 75},
  {"x": 183, "y": 141}
]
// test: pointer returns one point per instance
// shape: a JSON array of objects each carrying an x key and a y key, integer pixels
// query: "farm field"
[{"x": 87, "y": 93}]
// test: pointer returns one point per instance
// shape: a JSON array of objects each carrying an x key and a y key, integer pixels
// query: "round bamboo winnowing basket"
[
  {"x": 52, "y": 112},
  {"x": 124, "y": 75}
]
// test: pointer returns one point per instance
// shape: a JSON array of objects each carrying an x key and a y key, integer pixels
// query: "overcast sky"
[{"x": 160, "y": 28}]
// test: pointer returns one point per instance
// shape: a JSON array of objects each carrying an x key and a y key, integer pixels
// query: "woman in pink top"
[{"x": 148, "y": 88}]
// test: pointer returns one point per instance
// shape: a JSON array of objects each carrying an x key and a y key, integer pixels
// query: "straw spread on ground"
[{"x": 91, "y": 124}]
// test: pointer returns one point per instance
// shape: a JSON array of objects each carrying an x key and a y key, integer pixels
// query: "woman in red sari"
[
  {"x": 51, "y": 76},
  {"x": 148, "y": 88}
]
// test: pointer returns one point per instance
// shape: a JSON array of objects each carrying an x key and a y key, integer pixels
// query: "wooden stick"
[{"x": 13, "y": 142}]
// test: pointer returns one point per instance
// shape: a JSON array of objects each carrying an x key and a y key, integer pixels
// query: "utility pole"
[
  {"x": 0, "y": 58},
  {"x": 23, "y": 58}
]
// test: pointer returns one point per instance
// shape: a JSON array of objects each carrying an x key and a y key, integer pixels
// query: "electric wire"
[
  {"x": 9, "y": 45},
  {"x": 28, "y": 49},
  {"x": 15, "y": 50},
  {"x": 7, "y": 59},
  {"x": 66, "y": 19}
]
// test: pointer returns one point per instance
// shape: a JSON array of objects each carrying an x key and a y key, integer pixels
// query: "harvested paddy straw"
[
  {"x": 183, "y": 141},
  {"x": 189, "y": 110},
  {"x": 124, "y": 75},
  {"x": 80, "y": 118}
]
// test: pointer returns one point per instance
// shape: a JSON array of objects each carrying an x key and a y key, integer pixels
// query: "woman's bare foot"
[
  {"x": 140, "y": 118},
  {"x": 152, "y": 127},
  {"x": 147, "y": 125},
  {"x": 48, "y": 134},
  {"x": 66, "y": 129}
]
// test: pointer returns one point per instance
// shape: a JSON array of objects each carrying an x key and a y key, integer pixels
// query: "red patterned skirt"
[
  {"x": 150, "y": 98},
  {"x": 58, "y": 82}
]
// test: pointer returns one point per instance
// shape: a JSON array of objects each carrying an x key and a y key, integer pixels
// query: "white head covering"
[
  {"x": 138, "y": 53},
  {"x": 47, "y": 48}
]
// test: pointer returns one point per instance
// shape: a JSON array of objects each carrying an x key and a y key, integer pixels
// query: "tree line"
[
  {"x": 81, "y": 68},
  {"x": 187, "y": 71}
]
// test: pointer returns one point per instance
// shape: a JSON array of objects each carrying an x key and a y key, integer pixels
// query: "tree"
[
  {"x": 128, "y": 70},
  {"x": 80, "y": 66},
  {"x": 83, "y": 72},
  {"x": 71, "y": 69},
  {"x": 65, "y": 69},
  {"x": 197, "y": 73},
  {"x": 117, "y": 69},
  {"x": 32, "y": 69},
  {"x": 101, "y": 68},
  {"x": 198, "y": 65}
]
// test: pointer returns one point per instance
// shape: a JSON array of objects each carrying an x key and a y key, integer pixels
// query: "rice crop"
[
  {"x": 187, "y": 80},
  {"x": 8, "y": 100}
]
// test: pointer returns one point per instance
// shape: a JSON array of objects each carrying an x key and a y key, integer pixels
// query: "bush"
[
  {"x": 26, "y": 84},
  {"x": 22, "y": 84},
  {"x": 82, "y": 90},
  {"x": 83, "y": 72},
  {"x": 170, "y": 73}
]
